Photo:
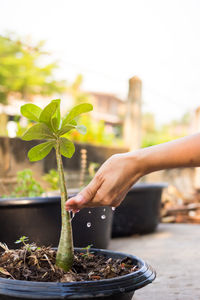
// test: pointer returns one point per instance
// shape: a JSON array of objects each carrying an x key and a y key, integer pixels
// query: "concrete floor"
[{"x": 174, "y": 252}]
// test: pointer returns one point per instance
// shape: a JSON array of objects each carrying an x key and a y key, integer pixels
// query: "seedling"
[
  {"x": 22, "y": 240},
  {"x": 87, "y": 253},
  {"x": 50, "y": 127},
  {"x": 29, "y": 247}
]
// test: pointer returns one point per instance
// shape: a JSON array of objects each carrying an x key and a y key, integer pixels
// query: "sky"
[{"x": 109, "y": 41}]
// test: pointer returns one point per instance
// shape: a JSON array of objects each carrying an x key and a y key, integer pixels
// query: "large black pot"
[
  {"x": 40, "y": 219},
  {"x": 119, "y": 288},
  {"x": 139, "y": 213}
]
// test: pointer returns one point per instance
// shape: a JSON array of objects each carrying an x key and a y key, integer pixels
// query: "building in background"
[
  {"x": 110, "y": 109},
  {"x": 107, "y": 108}
]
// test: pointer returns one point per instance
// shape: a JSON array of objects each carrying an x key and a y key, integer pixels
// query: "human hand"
[
  {"x": 121, "y": 171},
  {"x": 110, "y": 184}
]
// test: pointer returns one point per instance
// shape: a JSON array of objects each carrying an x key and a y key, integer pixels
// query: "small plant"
[
  {"x": 22, "y": 240},
  {"x": 87, "y": 253},
  {"x": 27, "y": 186},
  {"x": 49, "y": 126},
  {"x": 52, "y": 178},
  {"x": 29, "y": 247}
]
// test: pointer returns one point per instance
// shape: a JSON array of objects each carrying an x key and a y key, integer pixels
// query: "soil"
[{"x": 38, "y": 264}]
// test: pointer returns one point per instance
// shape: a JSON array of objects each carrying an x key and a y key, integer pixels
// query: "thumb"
[{"x": 83, "y": 198}]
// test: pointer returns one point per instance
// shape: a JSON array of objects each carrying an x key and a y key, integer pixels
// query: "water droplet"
[
  {"x": 89, "y": 224},
  {"x": 113, "y": 208},
  {"x": 122, "y": 289},
  {"x": 72, "y": 215},
  {"x": 104, "y": 209},
  {"x": 103, "y": 217},
  {"x": 89, "y": 212}
]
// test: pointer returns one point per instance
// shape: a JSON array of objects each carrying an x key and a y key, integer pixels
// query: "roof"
[{"x": 106, "y": 96}]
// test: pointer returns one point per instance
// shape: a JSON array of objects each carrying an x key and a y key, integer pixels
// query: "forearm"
[
  {"x": 183, "y": 152},
  {"x": 115, "y": 177}
]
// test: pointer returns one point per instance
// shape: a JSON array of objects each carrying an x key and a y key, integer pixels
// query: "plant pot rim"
[
  {"x": 82, "y": 289},
  {"x": 148, "y": 186},
  {"x": 44, "y": 199},
  {"x": 34, "y": 200},
  {"x": 28, "y": 200}
]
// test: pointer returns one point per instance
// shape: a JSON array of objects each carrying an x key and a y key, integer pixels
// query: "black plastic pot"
[
  {"x": 139, "y": 213},
  {"x": 40, "y": 219},
  {"x": 119, "y": 288}
]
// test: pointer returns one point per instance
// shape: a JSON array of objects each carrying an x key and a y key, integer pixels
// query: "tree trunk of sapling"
[{"x": 65, "y": 253}]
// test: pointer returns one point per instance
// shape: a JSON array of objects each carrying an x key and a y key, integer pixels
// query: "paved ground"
[{"x": 174, "y": 251}]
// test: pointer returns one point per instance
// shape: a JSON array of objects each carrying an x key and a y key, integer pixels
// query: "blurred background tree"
[
  {"x": 96, "y": 133},
  {"x": 23, "y": 72},
  {"x": 27, "y": 70},
  {"x": 153, "y": 135},
  {"x": 75, "y": 90}
]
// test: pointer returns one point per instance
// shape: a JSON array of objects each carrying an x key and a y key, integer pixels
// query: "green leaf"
[
  {"x": 22, "y": 239},
  {"x": 66, "y": 129},
  {"x": 38, "y": 131},
  {"x": 31, "y": 111},
  {"x": 81, "y": 129},
  {"x": 66, "y": 147},
  {"x": 49, "y": 113},
  {"x": 40, "y": 151},
  {"x": 56, "y": 118},
  {"x": 73, "y": 122},
  {"x": 76, "y": 111}
]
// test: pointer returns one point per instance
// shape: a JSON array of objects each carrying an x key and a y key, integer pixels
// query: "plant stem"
[{"x": 65, "y": 253}]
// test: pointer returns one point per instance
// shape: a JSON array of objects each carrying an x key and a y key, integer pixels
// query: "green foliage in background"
[
  {"x": 52, "y": 178},
  {"x": 50, "y": 127},
  {"x": 158, "y": 137},
  {"x": 96, "y": 133},
  {"x": 154, "y": 135},
  {"x": 76, "y": 92},
  {"x": 92, "y": 169},
  {"x": 26, "y": 186},
  {"x": 22, "y": 71}
]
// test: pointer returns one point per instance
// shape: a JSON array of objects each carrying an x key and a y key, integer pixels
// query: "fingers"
[
  {"x": 118, "y": 200},
  {"x": 84, "y": 198},
  {"x": 73, "y": 204},
  {"x": 108, "y": 187},
  {"x": 95, "y": 194}
]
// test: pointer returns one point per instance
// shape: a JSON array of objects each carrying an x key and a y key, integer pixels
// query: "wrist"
[
  {"x": 136, "y": 162},
  {"x": 143, "y": 161}
]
